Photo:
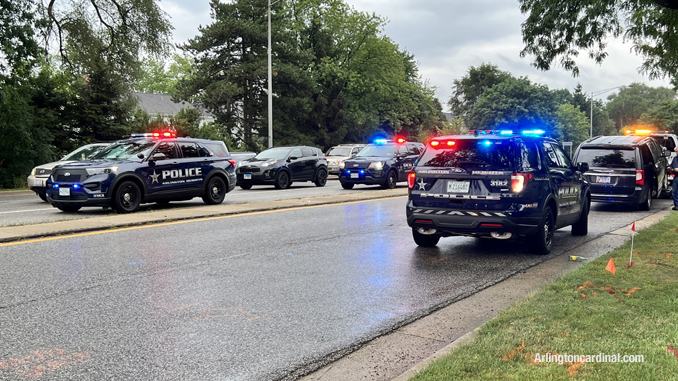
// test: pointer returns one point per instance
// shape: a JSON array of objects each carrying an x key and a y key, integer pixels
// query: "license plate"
[
  {"x": 38, "y": 183},
  {"x": 458, "y": 186},
  {"x": 64, "y": 191},
  {"x": 247, "y": 176},
  {"x": 603, "y": 180},
  {"x": 355, "y": 175}
]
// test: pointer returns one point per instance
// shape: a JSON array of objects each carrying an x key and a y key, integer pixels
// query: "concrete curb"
[
  {"x": 16, "y": 233},
  {"x": 470, "y": 336}
]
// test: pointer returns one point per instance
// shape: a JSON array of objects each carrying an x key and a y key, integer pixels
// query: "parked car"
[
  {"x": 281, "y": 166},
  {"x": 496, "y": 184},
  {"x": 37, "y": 180},
  {"x": 624, "y": 169},
  {"x": 336, "y": 156},
  {"x": 144, "y": 169},
  {"x": 383, "y": 163}
]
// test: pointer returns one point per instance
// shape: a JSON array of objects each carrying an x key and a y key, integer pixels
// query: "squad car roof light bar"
[{"x": 531, "y": 132}]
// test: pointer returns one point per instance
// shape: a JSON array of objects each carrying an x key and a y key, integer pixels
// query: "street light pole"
[{"x": 270, "y": 82}]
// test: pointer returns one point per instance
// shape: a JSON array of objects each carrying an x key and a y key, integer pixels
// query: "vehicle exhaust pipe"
[
  {"x": 426, "y": 231},
  {"x": 501, "y": 235}
]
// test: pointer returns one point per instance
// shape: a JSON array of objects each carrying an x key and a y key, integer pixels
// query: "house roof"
[{"x": 160, "y": 104}]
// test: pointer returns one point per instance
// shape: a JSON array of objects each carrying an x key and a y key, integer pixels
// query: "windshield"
[
  {"x": 377, "y": 150},
  {"x": 339, "y": 151},
  {"x": 84, "y": 152},
  {"x": 128, "y": 150},
  {"x": 273, "y": 154},
  {"x": 607, "y": 158},
  {"x": 467, "y": 153}
]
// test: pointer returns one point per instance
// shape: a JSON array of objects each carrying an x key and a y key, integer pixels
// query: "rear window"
[
  {"x": 467, "y": 153},
  {"x": 666, "y": 142},
  {"x": 218, "y": 148},
  {"x": 608, "y": 158}
]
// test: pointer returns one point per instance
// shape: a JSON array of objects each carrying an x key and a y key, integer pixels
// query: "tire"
[
  {"x": 215, "y": 191},
  {"x": 391, "y": 180},
  {"x": 647, "y": 203},
  {"x": 581, "y": 227},
  {"x": 127, "y": 197},
  {"x": 321, "y": 178},
  {"x": 542, "y": 241},
  {"x": 347, "y": 185},
  {"x": 425, "y": 240},
  {"x": 69, "y": 209},
  {"x": 43, "y": 196},
  {"x": 245, "y": 186},
  {"x": 282, "y": 180}
]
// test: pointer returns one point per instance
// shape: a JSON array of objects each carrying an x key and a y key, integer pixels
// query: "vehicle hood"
[
  {"x": 51, "y": 166},
  {"x": 336, "y": 159},
  {"x": 95, "y": 164},
  {"x": 255, "y": 162},
  {"x": 364, "y": 162}
]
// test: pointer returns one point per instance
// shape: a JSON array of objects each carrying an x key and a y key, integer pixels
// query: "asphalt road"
[
  {"x": 21, "y": 209},
  {"x": 244, "y": 297}
]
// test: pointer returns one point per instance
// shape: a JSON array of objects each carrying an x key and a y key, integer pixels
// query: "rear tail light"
[
  {"x": 410, "y": 179},
  {"x": 232, "y": 162},
  {"x": 640, "y": 177},
  {"x": 519, "y": 180}
]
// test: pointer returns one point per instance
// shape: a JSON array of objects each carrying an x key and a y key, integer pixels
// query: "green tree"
[
  {"x": 467, "y": 90},
  {"x": 663, "y": 116},
  {"x": 602, "y": 124},
  {"x": 558, "y": 30},
  {"x": 626, "y": 107},
  {"x": 572, "y": 124},
  {"x": 160, "y": 77}
]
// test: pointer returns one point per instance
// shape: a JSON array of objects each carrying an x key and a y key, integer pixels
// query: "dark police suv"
[
  {"x": 384, "y": 163},
  {"x": 497, "y": 184},
  {"x": 159, "y": 168},
  {"x": 280, "y": 166}
]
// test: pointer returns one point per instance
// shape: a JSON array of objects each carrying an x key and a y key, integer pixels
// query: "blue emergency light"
[{"x": 381, "y": 141}]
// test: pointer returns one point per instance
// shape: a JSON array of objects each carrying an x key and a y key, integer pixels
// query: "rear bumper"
[
  {"x": 472, "y": 222},
  {"x": 633, "y": 198}
]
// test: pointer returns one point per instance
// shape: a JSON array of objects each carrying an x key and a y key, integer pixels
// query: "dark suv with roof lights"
[
  {"x": 496, "y": 184},
  {"x": 624, "y": 169}
]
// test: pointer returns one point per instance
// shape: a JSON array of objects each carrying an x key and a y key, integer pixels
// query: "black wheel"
[
  {"x": 581, "y": 227},
  {"x": 347, "y": 185},
  {"x": 68, "y": 209},
  {"x": 215, "y": 191},
  {"x": 127, "y": 197},
  {"x": 282, "y": 181},
  {"x": 542, "y": 241},
  {"x": 42, "y": 196},
  {"x": 321, "y": 177},
  {"x": 391, "y": 180},
  {"x": 245, "y": 186},
  {"x": 425, "y": 240},
  {"x": 647, "y": 203}
]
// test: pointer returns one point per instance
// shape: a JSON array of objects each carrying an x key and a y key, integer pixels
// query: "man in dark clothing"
[{"x": 673, "y": 168}]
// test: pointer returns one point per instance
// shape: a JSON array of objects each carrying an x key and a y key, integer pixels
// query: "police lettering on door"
[{"x": 178, "y": 176}]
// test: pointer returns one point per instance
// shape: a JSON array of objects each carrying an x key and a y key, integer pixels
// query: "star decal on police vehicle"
[
  {"x": 154, "y": 176},
  {"x": 422, "y": 184}
]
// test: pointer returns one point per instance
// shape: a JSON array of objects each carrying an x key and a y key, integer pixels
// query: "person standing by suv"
[{"x": 673, "y": 169}]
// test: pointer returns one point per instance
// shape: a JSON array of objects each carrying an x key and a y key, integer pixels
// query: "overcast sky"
[{"x": 448, "y": 36}]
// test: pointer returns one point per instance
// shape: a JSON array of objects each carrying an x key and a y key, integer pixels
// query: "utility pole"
[{"x": 270, "y": 80}]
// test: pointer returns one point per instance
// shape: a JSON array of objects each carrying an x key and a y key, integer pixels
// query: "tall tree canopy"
[
  {"x": 626, "y": 106},
  {"x": 557, "y": 30}
]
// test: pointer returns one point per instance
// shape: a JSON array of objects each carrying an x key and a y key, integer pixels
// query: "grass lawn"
[{"x": 586, "y": 312}]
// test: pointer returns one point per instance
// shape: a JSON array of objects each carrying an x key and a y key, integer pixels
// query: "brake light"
[
  {"x": 450, "y": 142},
  {"x": 640, "y": 177},
  {"x": 232, "y": 162},
  {"x": 400, "y": 140},
  {"x": 435, "y": 143},
  {"x": 519, "y": 180},
  {"x": 410, "y": 179}
]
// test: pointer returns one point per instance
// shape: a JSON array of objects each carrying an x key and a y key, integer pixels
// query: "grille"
[
  {"x": 75, "y": 175},
  {"x": 250, "y": 170}
]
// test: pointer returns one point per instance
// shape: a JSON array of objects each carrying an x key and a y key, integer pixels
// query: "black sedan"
[{"x": 280, "y": 166}]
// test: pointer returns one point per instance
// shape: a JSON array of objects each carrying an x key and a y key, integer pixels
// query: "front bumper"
[
  {"x": 263, "y": 177},
  {"x": 37, "y": 184},
  {"x": 362, "y": 176},
  {"x": 333, "y": 169},
  {"x": 472, "y": 222},
  {"x": 78, "y": 195}
]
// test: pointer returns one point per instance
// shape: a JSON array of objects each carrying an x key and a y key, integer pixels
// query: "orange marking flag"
[{"x": 610, "y": 266}]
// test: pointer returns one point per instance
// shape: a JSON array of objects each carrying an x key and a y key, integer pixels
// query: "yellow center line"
[{"x": 189, "y": 221}]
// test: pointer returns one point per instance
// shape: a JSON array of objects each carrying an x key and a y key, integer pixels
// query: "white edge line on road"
[{"x": 28, "y": 210}]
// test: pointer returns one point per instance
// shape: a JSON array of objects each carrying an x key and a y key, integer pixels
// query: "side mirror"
[
  {"x": 158, "y": 156},
  {"x": 141, "y": 156},
  {"x": 583, "y": 167},
  {"x": 292, "y": 158}
]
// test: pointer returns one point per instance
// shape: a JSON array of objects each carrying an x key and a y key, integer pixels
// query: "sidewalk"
[{"x": 15, "y": 233}]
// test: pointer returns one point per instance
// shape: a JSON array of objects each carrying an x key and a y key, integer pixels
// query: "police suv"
[
  {"x": 384, "y": 163},
  {"x": 497, "y": 184},
  {"x": 156, "y": 168}
]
